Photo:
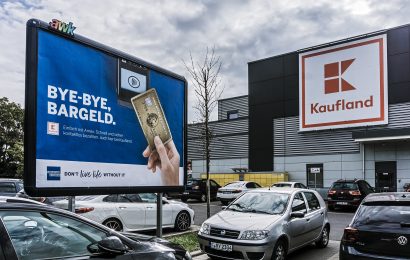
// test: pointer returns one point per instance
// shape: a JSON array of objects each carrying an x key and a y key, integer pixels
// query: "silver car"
[{"x": 266, "y": 224}]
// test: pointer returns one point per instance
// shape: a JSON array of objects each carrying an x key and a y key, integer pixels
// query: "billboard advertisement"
[
  {"x": 344, "y": 85},
  {"x": 82, "y": 133}
]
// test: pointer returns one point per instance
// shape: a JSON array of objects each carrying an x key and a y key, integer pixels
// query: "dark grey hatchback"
[
  {"x": 29, "y": 230},
  {"x": 380, "y": 229}
]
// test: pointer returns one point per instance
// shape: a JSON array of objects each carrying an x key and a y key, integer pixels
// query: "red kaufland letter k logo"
[{"x": 333, "y": 77}]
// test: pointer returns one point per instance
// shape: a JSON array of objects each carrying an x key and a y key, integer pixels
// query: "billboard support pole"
[
  {"x": 159, "y": 214},
  {"x": 71, "y": 203}
]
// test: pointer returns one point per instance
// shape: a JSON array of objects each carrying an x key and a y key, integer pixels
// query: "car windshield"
[
  {"x": 193, "y": 183},
  {"x": 392, "y": 216},
  {"x": 263, "y": 202},
  {"x": 282, "y": 185},
  {"x": 234, "y": 185},
  {"x": 344, "y": 186}
]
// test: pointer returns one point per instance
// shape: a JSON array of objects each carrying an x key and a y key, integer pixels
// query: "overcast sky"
[{"x": 163, "y": 32}]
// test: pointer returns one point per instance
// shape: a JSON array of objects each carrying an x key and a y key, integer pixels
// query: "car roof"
[
  {"x": 10, "y": 179},
  {"x": 285, "y": 182},
  {"x": 348, "y": 180},
  {"x": 286, "y": 190},
  {"x": 387, "y": 197}
]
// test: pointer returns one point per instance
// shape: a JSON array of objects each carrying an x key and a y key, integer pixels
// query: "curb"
[
  {"x": 193, "y": 228},
  {"x": 196, "y": 253}
]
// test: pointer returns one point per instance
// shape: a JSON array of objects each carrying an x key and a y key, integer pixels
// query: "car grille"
[
  {"x": 218, "y": 232},
  {"x": 233, "y": 254},
  {"x": 255, "y": 255}
]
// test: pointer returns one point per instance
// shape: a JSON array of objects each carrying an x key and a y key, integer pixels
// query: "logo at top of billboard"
[{"x": 344, "y": 85}]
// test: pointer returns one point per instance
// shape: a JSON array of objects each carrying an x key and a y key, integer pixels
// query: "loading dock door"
[{"x": 386, "y": 176}]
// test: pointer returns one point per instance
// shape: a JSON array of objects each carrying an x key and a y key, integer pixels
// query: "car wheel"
[
  {"x": 279, "y": 251},
  {"x": 331, "y": 208},
  {"x": 203, "y": 198},
  {"x": 224, "y": 202},
  {"x": 114, "y": 224},
  {"x": 182, "y": 221},
  {"x": 324, "y": 238},
  {"x": 184, "y": 199}
]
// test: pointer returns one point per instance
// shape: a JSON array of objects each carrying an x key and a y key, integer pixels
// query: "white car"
[
  {"x": 289, "y": 184},
  {"x": 131, "y": 212},
  {"x": 232, "y": 190}
]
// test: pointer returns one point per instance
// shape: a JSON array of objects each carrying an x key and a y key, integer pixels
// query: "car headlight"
[
  {"x": 254, "y": 234},
  {"x": 205, "y": 229},
  {"x": 171, "y": 255}
]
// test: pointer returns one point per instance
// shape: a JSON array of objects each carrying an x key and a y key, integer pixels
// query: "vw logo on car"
[{"x": 402, "y": 240}]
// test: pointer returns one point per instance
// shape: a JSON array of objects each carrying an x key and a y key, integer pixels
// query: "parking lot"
[{"x": 338, "y": 221}]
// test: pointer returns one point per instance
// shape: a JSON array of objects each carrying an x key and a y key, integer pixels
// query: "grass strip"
[{"x": 189, "y": 241}]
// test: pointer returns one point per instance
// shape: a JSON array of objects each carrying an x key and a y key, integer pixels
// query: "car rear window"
[
  {"x": 234, "y": 185},
  {"x": 383, "y": 215},
  {"x": 7, "y": 187},
  {"x": 344, "y": 186},
  {"x": 85, "y": 198},
  {"x": 282, "y": 185}
]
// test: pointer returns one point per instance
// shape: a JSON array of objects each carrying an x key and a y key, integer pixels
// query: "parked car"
[
  {"x": 10, "y": 187},
  {"x": 344, "y": 193},
  {"x": 380, "y": 228},
  {"x": 232, "y": 190},
  {"x": 196, "y": 189},
  {"x": 289, "y": 184},
  {"x": 32, "y": 230},
  {"x": 45, "y": 200},
  {"x": 266, "y": 224},
  {"x": 131, "y": 212}
]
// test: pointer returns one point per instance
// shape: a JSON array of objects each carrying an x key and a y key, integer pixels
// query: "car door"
[
  {"x": 131, "y": 211},
  {"x": 297, "y": 227},
  {"x": 314, "y": 217},
  {"x": 150, "y": 202}
]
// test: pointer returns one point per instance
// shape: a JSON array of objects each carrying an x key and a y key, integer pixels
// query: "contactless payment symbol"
[{"x": 134, "y": 82}]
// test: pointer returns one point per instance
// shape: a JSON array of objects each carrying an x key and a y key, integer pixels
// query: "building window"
[
  {"x": 314, "y": 174},
  {"x": 233, "y": 114}
]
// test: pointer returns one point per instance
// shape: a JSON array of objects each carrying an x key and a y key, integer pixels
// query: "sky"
[{"x": 164, "y": 32}]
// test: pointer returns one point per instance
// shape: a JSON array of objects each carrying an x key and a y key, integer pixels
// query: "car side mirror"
[
  {"x": 297, "y": 214},
  {"x": 112, "y": 245}
]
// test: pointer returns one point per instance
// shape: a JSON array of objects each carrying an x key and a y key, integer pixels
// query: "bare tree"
[{"x": 206, "y": 82}]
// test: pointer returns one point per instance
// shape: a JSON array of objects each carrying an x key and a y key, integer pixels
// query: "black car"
[
  {"x": 10, "y": 187},
  {"x": 345, "y": 193},
  {"x": 30, "y": 230},
  {"x": 380, "y": 229},
  {"x": 196, "y": 189}
]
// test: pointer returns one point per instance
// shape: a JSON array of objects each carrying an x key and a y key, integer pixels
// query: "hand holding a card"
[{"x": 166, "y": 158}]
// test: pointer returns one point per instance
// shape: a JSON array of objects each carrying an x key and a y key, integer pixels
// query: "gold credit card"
[{"x": 151, "y": 117}]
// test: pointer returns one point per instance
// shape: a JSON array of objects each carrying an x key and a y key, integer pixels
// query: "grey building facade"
[
  {"x": 229, "y": 147},
  {"x": 378, "y": 154}
]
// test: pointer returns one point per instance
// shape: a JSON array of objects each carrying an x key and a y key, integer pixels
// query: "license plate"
[
  {"x": 222, "y": 247},
  {"x": 186, "y": 193},
  {"x": 226, "y": 192},
  {"x": 341, "y": 203}
]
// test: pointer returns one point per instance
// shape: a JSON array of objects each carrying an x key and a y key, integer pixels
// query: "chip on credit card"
[{"x": 151, "y": 117}]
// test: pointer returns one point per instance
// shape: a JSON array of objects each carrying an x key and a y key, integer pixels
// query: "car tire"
[
  {"x": 279, "y": 251},
  {"x": 184, "y": 199},
  {"x": 182, "y": 221},
  {"x": 331, "y": 208},
  {"x": 224, "y": 202},
  {"x": 203, "y": 198},
  {"x": 113, "y": 224},
  {"x": 323, "y": 241}
]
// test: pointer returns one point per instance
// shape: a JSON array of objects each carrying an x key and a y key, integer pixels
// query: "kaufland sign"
[{"x": 344, "y": 85}]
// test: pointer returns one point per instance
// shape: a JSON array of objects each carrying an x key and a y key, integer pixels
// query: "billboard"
[
  {"x": 82, "y": 135},
  {"x": 344, "y": 85}
]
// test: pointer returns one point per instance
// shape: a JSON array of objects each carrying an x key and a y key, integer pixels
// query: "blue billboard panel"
[{"x": 87, "y": 135}]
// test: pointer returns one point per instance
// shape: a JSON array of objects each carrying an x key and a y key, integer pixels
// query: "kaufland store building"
[{"x": 336, "y": 111}]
